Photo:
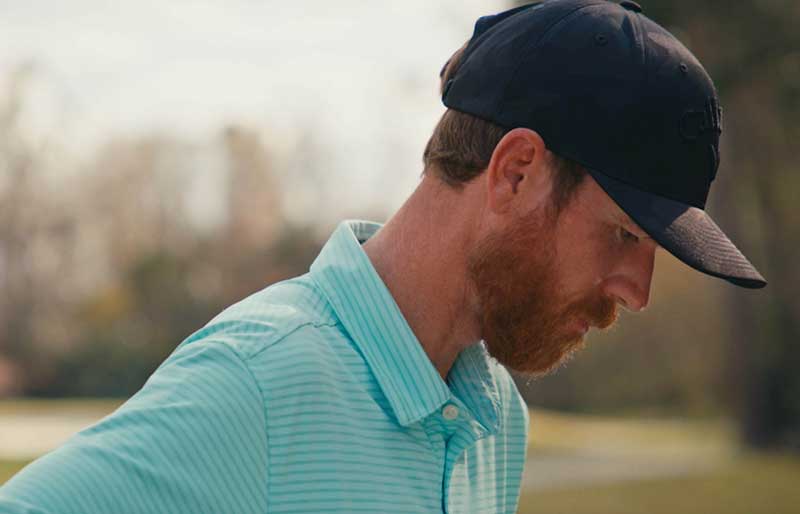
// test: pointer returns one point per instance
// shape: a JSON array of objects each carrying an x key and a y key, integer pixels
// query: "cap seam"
[
  {"x": 644, "y": 81},
  {"x": 527, "y": 46},
  {"x": 645, "y": 57},
  {"x": 637, "y": 23},
  {"x": 473, "y": 45}
]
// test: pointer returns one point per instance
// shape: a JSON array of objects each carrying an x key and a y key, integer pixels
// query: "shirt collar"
[{"x": 367, "y": 310}]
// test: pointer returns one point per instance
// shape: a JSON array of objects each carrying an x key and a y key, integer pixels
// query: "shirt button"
[{"x": 450, "y": 412}]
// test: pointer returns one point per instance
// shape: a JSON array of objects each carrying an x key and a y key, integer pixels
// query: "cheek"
[{"x": 584, "y": 257}]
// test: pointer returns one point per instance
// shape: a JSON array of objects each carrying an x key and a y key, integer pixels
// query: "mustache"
[{"x": 599, "y": 310}]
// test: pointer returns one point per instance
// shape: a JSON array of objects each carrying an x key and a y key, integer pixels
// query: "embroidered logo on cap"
[{"x": 696, "y": 124}]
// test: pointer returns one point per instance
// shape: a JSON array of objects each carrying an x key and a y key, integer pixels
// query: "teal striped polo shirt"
[{"x": 312, "y": 395}]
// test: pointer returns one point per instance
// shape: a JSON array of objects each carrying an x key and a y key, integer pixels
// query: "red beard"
[{"x": 525, "y": 320}]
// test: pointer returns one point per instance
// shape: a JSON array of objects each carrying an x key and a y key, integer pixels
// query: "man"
[{"x": 580, "y": 137}]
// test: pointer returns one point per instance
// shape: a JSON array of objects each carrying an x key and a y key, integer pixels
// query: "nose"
[{"x": 629, "y": 283}]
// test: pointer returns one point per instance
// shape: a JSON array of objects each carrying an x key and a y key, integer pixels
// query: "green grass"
[
  {"x": 555, "y": 431},
  {"x": 94, "y": 406},
  {"x": 753, "y": 484},
  {"x": 742, "y": 483}
]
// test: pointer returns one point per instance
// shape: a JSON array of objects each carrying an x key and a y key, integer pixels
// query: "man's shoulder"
[
  {"x": 289, "y": 340},
  {"x": 284, "y": 310}
]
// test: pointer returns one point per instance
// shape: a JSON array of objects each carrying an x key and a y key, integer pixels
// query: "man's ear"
[{"x": 518, "y": 178}]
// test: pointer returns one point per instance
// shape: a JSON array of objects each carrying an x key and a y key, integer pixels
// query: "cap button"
[{"x": 631, "y": 6}]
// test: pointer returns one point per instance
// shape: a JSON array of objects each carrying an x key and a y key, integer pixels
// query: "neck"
[{"x": 420, "y": 254}]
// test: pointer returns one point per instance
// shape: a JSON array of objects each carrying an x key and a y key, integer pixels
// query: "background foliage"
[{"x": 105, "y": 270}]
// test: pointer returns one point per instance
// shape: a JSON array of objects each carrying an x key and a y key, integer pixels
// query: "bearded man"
[{"x": 580, "y": 137}]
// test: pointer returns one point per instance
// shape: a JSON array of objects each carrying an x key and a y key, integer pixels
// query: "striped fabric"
[{"x": 312, "y": 395}]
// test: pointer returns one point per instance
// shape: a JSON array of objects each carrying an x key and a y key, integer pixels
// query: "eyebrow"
[{"x": 623, "y": 219}]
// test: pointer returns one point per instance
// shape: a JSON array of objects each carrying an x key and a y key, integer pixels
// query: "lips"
[{"x": 580, "y": 325}]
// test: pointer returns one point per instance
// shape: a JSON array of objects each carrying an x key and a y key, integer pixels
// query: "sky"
[{"x": 361, "y": 75}]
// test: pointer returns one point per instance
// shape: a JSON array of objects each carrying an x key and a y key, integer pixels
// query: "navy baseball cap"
[{"x": 610, "y": 89}]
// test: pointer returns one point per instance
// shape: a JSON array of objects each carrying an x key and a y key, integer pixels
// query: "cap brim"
[{"x": 685, "y": 231}]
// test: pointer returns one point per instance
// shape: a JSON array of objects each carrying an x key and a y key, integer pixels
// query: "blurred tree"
[
  {"x": 36, "y": 236},
  {"x": 165, "y": 280},
  {"x": 254, "y": 203},
  {"x": 16, "y": 219},
  {"x": 102, "y": 275}
]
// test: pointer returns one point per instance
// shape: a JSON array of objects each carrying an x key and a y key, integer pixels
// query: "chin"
[{"x": 547, "y": 360}]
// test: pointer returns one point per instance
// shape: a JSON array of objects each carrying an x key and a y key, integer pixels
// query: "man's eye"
[{"x": 628, "y": 236}]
